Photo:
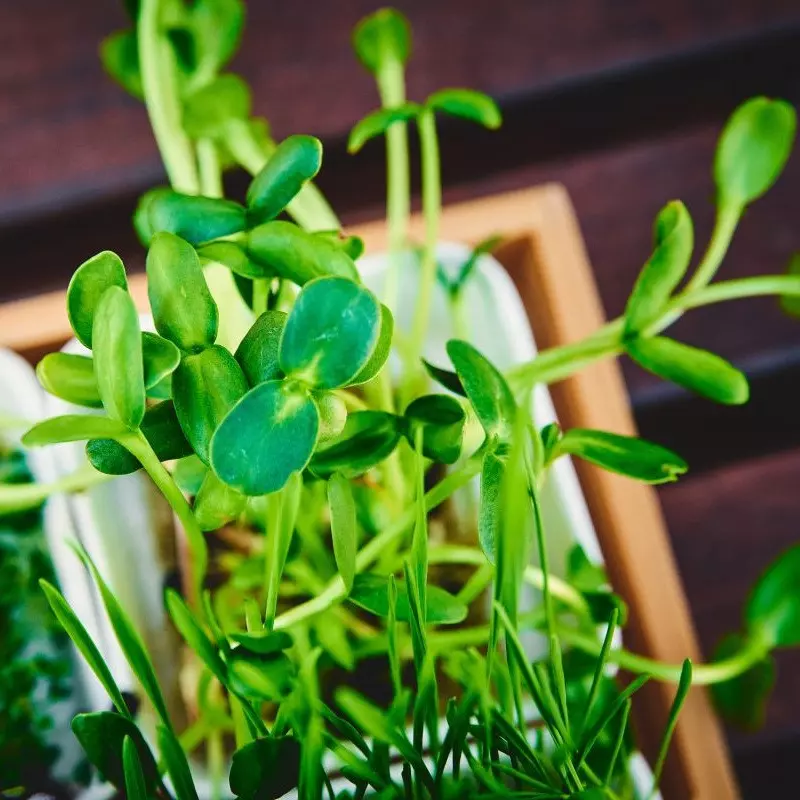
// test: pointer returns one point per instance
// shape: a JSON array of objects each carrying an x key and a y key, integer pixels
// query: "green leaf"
[
  {"x": 119, "y": 54},
  {"x": 489, "y": 512},
  {"x": 73, "y": 428},
  {"x": 367, "y": 439},
  {"x": 70, "y": 377},
  {"x": 378, "y": 122},
  {"x": 88, "y": 284},
  {"x": 332, "y": 415},
  {"x": 215, "y": 29},
  {"x": 773, "y": 609},
  {"x": 486, "y": 389},
  {"x": 467, "y": 104},
  {"x": 160, "y": 358},
  {"x": 183, "y": 309},
  {"x": 217, "y": 504},
  {"x": 331, "y": 333},
  {"x": 294, "y": 163},
  {"x": 660, "y": 276},
  {"x": 440, "y": 419},
  {"x": 625, "y": 455},
  {"x": 791, "y": 303},
  {"x": 189, "y": 473},
  {"x": 583, "y": 574},
  {"x": 371, "y": 592},
  {"x": 257, "y": 353},
  {"x": 449, "y": 380},
  {"x": 287, "y": 423},
  {"x": 129, "y": 640},
  {"x": 208, "y": 110},
  {"x": 263, "y": 642},
  {"x": 234, "y": 257},
  {"x": 261, "y": 678},
  {"x": 383, "y": 348},
  {"x": 117, "y": 351},
  {"x": 382, "y": 38},
  {"x": 135, "y": 787},
  {"x": 294, "y": 254},
  {"x": 162, "y": 430},
  {"x": 742, "y": 700},
  {"x": 753, "y": 149},
  {"x": 87, "y": 648},
  {"x": 697, "y": 370},
  {"x": 457, "y": 284},
  {"x": 195, "y": 637},
  {"x": 205, "y": 387},
  {"x": 343, "y": 527},
  {"x": 193, "y": 218},
  {"x": 174, "y": 759},
  {"x": 352, "y": 245},
  {"x": 101, "y": 735},
  {"x": 265, "y": 769}
]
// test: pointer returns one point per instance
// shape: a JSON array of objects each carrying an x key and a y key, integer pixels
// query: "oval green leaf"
[
  {"x": 773, "y": 609},
  {"x": 332, "y": 415},
  {"x": 697, "y": 370},
  {"x": 216, "y": 503},
  {"x": 135, "y": 787},
  {"x": 205, "y": 387},
  {"x": 371, "y": 592},
  {"x": 660, "y": 276},
  {"x": 163, "y": 432},
  {"x": 331, "y": 333},
  {"x": 208, "y": 110},
  {"x": 234, "y": 257},
  {"x": 160, "y": 357},
  {"x": 296, "y": 160},
  {"x": 467, "y": 104},
  {"x": 70, "y": 377},
  {"x": 626, "y": 455},
  {"x": 343, "y": 527},
  {"x": 265, "y": 769},
  {"x": 486, "y": 389},
  {"x": 73, "y": 428},
  {"x": 117, "y": 351},
  {"x": 119, "y": 53},
  {"x": 88, "y": 284},
  {"x": 287, "y": 423},
  {"x": 183, "y": 309},
  {"x": 378, "y": 122},
  {"x": 493, "y": 470},
  {"x": 753, "y": 149},
  {"x": 441, "y": 419},
  {"x": 257, "y": 353},
  {"x": 382, "y": 38},
  {"x": 367, "y": 438},
  {"x": 383, "y": 348},
  {"x": 292, "y": 253}
]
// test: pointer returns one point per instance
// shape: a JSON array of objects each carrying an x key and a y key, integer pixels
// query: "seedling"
[{"x": 268, "y": 379}]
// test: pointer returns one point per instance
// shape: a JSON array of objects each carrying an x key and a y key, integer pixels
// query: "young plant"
[{"x": 267, "y": 381}]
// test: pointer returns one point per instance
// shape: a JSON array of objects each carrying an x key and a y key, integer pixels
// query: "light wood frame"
[{"x": 543, "y": 251}]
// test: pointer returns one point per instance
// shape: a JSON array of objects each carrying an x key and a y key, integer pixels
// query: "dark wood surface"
[{"x": 621, "y": 100}]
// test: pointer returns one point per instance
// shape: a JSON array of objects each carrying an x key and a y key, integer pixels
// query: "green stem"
[
  {"x": 431, "y": 211},
  {"x": 23, "y": 496},
  {"x": 335, "y": 589},
  {"x": 160, "y": 87},
  {"x": 310, "y": 209},
  {"x": 210, "y": 169},
  {"x": 392, "y": 89},
  {"x": 260, "y": 295},
  {"x": 139, "y": 447},
  {"x": 724, "y": 227},
  {"x": 758, "y": 286},
  {"x": 704, "y": 674}
]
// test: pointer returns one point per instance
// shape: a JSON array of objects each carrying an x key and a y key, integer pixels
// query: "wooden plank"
[{"x": 68, "y": 135}]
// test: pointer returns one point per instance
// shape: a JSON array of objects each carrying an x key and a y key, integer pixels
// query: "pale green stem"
[
  {"x": 335, "y": 590},
  {"x": 431, "y": 211},
  {"x": 160, "y": 87},
  {"x": 728, "y": 216},
  {"x": 210, "y": 169},
  {"x": 22, "y": 496},
  {"x": 139, "y": 447},
  {"x": 260, "y": 295}
]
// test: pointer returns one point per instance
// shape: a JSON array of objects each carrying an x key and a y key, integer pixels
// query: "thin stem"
[
  {"x": 335, "y": 589},
  {"x": 758, "y": 286},
  {"x": 724, "y": 227},
  {"x": 704, "y": 674},
  {"x": 160, "y": 87},
  {"x": 260, "y": 295},
  {"x": 22, "y": 496},
  {"x": 210, "y": 169},
  {"x": 431, "y": 211},
  {"x": 139, "y": 447}
]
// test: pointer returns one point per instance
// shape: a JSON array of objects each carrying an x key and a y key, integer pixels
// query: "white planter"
[{"x": 115, "y": 524}]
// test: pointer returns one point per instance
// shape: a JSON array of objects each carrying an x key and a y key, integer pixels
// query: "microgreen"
[{"x": 268, "y": 379}]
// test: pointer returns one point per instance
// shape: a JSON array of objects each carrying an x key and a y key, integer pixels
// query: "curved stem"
[
  {"x": 758, "y": 286},
  {"x": 23, "y": 496},
  {"x": 702, "y": 674},
  {"x": 210, "y": 168},
  {"x": 724, "y": 227},
  {"x": 160, "y": 87},
  {"x": 139, "y": 447}
]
